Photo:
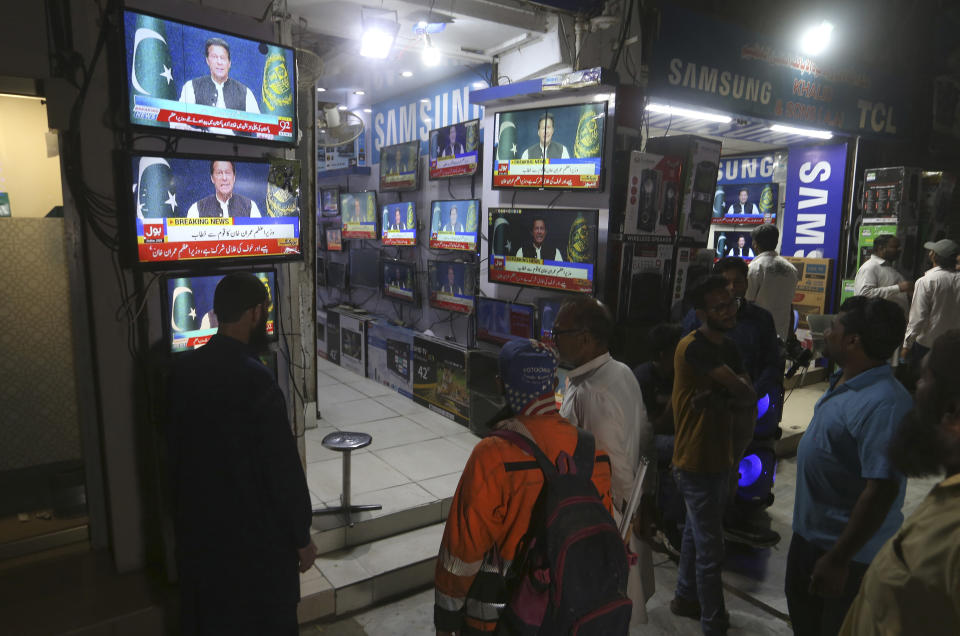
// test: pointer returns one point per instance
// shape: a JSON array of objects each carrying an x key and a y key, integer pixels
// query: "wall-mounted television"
[
  {"x": 359, "y": 213},
  {"x": 213, "y": 208},
  {"x": 188, "y": 317},
  {"x": 328, "y": 201},
  {"x": 453, "y": 224},
  {"x": 746, "y": 203},
  {"x": 400, "y": 167},
  {"x": 398, "y": 280},
  {"x": 549, "y": 248},
  {"x": 452, "y": 285},
  {"x": 730, "y": 243},
  {"x": 550, "y": 148},
  {"x": 334, "y": 239},
  {"x": 364, "y": 268},
  {"x": 547, "y": 310},
  {"x": 192, "y": 80},
  {"x": 455, "y": 150},
  {"x": 399, "y": 224},
  {"x": 499, "y": 321}
]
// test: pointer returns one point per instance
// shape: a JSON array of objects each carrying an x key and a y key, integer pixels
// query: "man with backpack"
[{"x": 534, "y": 482}]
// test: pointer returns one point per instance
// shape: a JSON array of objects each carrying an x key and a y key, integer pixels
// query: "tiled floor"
[{"x": 417, "y": 453}]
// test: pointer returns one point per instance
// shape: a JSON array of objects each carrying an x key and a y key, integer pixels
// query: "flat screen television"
[
  {"x": 550, "y": 148},
  {"x": 400, "y": 167},
  {"x": 549, "y": 248},
  {"x": 746, "y": 204},
  {"x": 547, "y": 310},
  {"x": 334, "y": 239},
  {"x": 731, "y": 243},
  {"x": 192, "y": 80},
  {"x": 329, "y": 201},
  {"x": 499, "y": 321},
  {"x": 188, "y": 317},
  {"x": 455, "y": 150},
  {"x": 398, "y": 281},
  {"x": 453, "y": 224},
  {"x": 359, "y": 213},
  {"x": 213, "y": 208},
  {"x": 399, "y": 224},
  {"x": 452, "y": 285},
  {"x": 364, "y": 266}
]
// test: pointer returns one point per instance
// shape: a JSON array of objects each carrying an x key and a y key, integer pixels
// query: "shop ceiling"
[{"x": 475, "y": 31}]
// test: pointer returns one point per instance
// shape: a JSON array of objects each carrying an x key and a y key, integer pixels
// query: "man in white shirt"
[
  {"x": 547, "y": 148},
  {"x": 772, "y": 279},
  {"x": 879, "y": 278},
  {"x": 936, "y": 302},
  {"x": 223, "y": 202},
  {"x": 603, "y": 397},
  {"x": 743, "y": 207},
  {"x": 217, "y": 89}
]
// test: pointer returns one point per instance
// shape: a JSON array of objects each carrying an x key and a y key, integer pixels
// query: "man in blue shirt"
[{"x": 848, "y": 496}]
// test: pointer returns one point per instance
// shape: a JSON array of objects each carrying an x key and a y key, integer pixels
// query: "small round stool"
[{"x": 346, "y": 443}]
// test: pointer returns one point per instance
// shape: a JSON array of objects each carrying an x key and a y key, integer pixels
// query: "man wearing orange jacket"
[{"x": 491, "y": 509}]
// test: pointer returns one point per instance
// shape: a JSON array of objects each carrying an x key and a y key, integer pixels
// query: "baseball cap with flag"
[{"x": 527, "y": 369}]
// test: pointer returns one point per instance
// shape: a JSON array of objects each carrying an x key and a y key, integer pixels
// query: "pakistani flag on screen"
[
  {"x": 507, "y": 137},
  {"x": 276, "y": 94},
  {"x": 156, "y": 190},
  {"x": 283, "y": 185},
  {"x": 151, "y": 74},
  {"x": 183, "y": 309},
  {"x": 589, "y": 131},
  {"x": 579, "y": 245}
]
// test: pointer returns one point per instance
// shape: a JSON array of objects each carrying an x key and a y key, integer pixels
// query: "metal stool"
[{"x": 346, "y": 443}]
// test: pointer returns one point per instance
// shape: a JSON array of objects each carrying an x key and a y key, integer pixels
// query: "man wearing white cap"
[{"x": 936, "y": 302}]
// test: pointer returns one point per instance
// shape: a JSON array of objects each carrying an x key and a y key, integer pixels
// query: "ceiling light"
[
  {"x": 342, "y": 107},
  {"x": 406, "y": 73},
  {"x": 359, "y": 92},
  {"x": 378, "y": 34},
  {"x": 806, "y": 132},
  {"x": 686, "y": 112},
  {"x": 425, "y": 100},
  {"x": 431, "y": 54},
  {"x": 368, "y": 110},
  {"x": 321, "y": 89},
  {"x": 479, "y": 85},
  {"x": 816, "y": 39}
]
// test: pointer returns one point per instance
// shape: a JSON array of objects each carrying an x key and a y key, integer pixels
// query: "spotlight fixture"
[
  {"x": 431, "y": 54},
  {"x": 406, "y": 73},
  {"x": 342, "y": 107},
  {"x": 368, "y": 110},
  {"x": 321, "y": 89},
  {"x": 816, "y": 39},
  {"x": 688, "y": 113},
  {"x": 378, "y": 34},
  {"x": 359, "y": 92}
]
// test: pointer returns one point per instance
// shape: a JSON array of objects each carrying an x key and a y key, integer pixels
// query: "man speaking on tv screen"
[
  {"x": 217, "y": 89},
  {"x": 224, "y": 202}
]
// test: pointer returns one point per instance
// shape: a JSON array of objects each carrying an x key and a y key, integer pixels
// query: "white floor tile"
[
  {"x": 394, "y": 431},
  {"x": 400, "y": 403},
  {"x": 442, "y": 487},
  {"x": 344, "y": 414},
  {"x": 323, "y": 379},
  {"x": 342, "y": 567},
  {"x": 367, "y": 473},
  {"x": 395, "y": 552},
  {"x": 335, "y": 394},
  {"x": 466, "y": 440},
  {"x": 370, "y": 388},
  {"x": 424, "y": 460},
  {"x": 437, "y": 423}
]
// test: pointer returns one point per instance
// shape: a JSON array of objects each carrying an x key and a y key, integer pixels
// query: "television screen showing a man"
[{"x": 224, "y": 203}]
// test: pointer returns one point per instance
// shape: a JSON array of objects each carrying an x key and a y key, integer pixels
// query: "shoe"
[
  {"x": 680, "y": 606},
  {"x": 754, "y": 537}
]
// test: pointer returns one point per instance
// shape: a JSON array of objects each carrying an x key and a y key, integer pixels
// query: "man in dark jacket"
[
  {"x": 224, "y": 202},
  {"x": 242, "y": 510},
  {"x": 217, "y": 89}
]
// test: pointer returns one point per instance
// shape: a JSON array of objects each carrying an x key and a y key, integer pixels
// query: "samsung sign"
[
  {"x": 748, "y": 169},
  {"x": 813, "y": 205},
  {"x": 415, "y": 114}
]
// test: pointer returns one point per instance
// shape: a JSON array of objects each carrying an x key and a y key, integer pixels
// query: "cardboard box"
[
  {"x": 700, "y": 157},
  {"x": 813, "y": 286},
  {"x": 390, "y": 356},
  {"x": 653, "y": 197}
]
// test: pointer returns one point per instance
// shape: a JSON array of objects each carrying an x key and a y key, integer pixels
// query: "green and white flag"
[{"x": 151, "y": 74}]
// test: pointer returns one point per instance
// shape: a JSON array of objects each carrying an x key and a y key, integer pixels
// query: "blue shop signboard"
[
  {"x": 813, "y": 205},
  {"x": 749, "y": 168},
  {"x": 414, "y": 114},
  {"x": 700, "y": 61}
]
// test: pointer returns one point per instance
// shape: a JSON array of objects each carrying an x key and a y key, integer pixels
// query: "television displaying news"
[
  {"x": 499, "y": 321},
  {"x": 549, "y": 248},
  {"x": 746, "y": 204},
  {"x": 548, "y": 308},
  {"x": 359, "y": 214},
  {"x": 399, "y": 224},
  {"x": 453, "y": 225},
  {"x": 213, "y": 208},
  {"x": 733, "y": 244},
  {"x": 189, "y": 302},
  {"x": 559, "y": 147},
  {"x": 452, "y": 286},
  {"x": 200, "y": 81},
  {"x": 399, "y": 280},
  {"x": 334, "y": 239},
  {"x": 329, "y": 202},
  {"x": 455, "y": 150},
  {"x": 400, "y": 166}
]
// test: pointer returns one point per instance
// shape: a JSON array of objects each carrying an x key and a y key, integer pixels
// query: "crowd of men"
[{"x": 665, "y": 440}]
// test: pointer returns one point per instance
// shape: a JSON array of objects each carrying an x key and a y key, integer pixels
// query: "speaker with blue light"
[
  {"x": 768, "y": 416},
  {"x": 758, "y": 471}
]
